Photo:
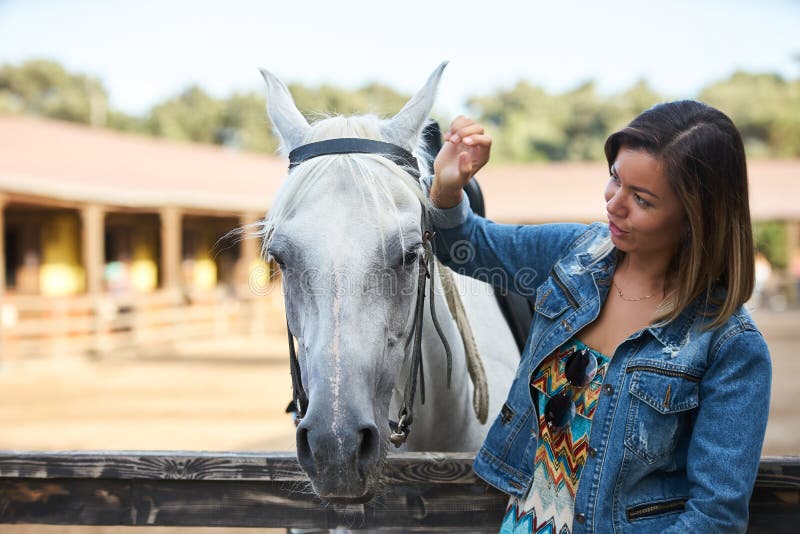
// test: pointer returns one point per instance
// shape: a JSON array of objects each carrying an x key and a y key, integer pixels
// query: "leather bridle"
[{"x": 408, "y": 163}]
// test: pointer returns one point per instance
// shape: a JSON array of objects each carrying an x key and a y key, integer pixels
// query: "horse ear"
[
  {"x": 289, "y": 123},
  {"x": 404, "y": 128}
]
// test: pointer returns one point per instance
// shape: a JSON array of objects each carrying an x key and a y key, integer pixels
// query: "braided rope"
[{"x": 480, "y": 395}]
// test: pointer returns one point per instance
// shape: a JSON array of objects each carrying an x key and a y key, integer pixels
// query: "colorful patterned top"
[{"x": 549, "y": 504}]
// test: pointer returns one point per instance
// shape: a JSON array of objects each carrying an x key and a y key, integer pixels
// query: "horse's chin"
[
  {"x": 350, "y": 500},
  {"x": 344, "y": 497}
]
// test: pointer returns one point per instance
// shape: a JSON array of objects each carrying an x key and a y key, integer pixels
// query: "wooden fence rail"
[
  {"x": 106, "y": 325},
  {"x": 430, "y": 491}
]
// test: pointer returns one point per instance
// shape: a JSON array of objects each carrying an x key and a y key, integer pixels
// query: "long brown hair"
[{"x": 703, "y": 158}]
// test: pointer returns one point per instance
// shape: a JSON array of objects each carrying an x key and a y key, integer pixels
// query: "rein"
[{"x": 405, "y": 160}]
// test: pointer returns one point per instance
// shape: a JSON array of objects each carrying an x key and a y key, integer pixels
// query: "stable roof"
[
  {"x": 574, "y": 191},
  {"x": 73, "y": 162}
]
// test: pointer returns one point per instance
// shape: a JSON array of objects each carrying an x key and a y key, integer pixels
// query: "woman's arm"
[
  {"x": 512, "y": 257},
  {"x": 725, "y": 447}
]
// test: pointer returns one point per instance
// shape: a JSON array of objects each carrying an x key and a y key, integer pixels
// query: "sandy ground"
[
  {"x": 230, "y": 395},
  {"x": 203, "y": 396},
  {"x": 782, "y": 332}
]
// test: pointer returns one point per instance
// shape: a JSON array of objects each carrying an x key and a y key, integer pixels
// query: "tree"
[
  {"x": 528, "y": 123},
  {"x": 45, "y": 88},
  {"x": 193, "y": 115},
  {"x": 765, "y": 108},
  {"x": 244, "y": 124}
]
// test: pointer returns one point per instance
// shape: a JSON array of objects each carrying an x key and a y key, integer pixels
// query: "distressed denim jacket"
[{"x": 676, "y": 437}]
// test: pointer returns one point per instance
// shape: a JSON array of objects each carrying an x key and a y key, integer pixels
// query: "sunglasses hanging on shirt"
[{"x": 580, "y": 370}]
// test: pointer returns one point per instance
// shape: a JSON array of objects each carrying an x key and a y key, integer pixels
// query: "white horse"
[{"x": 346, "y": 232}]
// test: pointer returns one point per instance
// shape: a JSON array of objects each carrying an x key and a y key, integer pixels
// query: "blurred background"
[{"x": 133, "y": 138}]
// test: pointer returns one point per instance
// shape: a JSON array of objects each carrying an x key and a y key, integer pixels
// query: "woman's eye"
[
  {"x": 642, "y": 202},
  {"x": 615, "y": 178}
]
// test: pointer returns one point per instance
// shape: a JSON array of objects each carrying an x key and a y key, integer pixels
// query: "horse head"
[{"x": 346, "y": 232}]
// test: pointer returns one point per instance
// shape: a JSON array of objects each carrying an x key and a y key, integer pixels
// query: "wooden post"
[
  {"x": 250, "y": 250},
  {"x": 171, "y": 282},
  {"x": 93, "y": 246},
  {"x": 793, "y": 257},
  {"x": 171, "y": 248},
  {"x": 93, "y": 259},
  {"x": 247, "y": 283},
  {"x": 3, "y": 201},
  {"x": 2, "y": 274}
]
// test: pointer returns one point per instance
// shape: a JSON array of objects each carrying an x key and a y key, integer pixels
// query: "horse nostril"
[
  {"x": 367, "y": 447},
  {"x": 304, "y": 456}
]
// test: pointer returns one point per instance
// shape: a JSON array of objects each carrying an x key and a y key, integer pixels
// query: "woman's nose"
[{"x": 614, "y": 202}]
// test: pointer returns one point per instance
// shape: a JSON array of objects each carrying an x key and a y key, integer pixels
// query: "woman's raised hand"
[{"x": 465, "y": 151}]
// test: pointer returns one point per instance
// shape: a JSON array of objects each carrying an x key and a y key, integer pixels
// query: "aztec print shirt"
[{"x": 548, "y": 506}]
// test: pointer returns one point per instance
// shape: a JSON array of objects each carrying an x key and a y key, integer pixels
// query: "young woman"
[{"x": 641, "y": 399}]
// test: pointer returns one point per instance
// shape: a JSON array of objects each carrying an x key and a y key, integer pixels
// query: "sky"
[{"x": 146, "y": 51}]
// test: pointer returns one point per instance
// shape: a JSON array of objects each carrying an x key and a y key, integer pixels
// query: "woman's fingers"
[
  {"x": 483, "y": 140},
  {"x": 460, "y": 122},
  {"x": 462, "y": 127},
  {"x": 465, "y": 167},
  {"x": 465, "y": 152}
]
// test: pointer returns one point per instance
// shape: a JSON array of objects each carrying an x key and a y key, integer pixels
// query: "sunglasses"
[{"x": 580, "y": 370}]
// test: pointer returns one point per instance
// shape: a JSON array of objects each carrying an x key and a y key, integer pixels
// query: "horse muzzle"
[{"x": 342, "y": 461}]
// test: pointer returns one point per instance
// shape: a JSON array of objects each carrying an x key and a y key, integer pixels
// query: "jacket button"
[
  {"x": 592, "y": 452},
  {"x": 608, "y": 388},
  {"x": 580, "y": 518}
]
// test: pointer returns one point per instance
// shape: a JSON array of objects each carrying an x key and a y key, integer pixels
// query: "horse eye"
[{"x": 411, "y": 256}]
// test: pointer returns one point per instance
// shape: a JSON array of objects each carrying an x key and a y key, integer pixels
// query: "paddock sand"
[{"x": 230, "y": 395}]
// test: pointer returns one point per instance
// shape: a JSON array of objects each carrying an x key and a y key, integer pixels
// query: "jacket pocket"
[
  {"x": 656, "y": 508},
  {"x": 662, "y": 395},
  {"x": 552, "y": 297}
]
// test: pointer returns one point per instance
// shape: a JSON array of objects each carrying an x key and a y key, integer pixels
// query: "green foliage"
[
  {"x": 244, "y": 124},
  {"x": 530, "y": 124},
  {"x": 770, "y": 238},
  {"x": 42, "y": 87},
  {"x": 327, "y": 100},
  {"x": 191, "y": 116},
  {"x": 117, "y": 120},
  {"x": 527, "y": 122},
  {"x": 765, "y": 108}
]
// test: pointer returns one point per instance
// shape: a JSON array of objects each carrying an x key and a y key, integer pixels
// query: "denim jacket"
[{"x": 676, "y": 437}]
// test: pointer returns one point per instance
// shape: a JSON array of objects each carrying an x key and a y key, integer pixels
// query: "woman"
[{"x": 641, "y": 399}]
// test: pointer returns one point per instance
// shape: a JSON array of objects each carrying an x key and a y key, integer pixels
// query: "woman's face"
[{"x": 644, "y": 215}]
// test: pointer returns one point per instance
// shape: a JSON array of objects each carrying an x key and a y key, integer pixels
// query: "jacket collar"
[{"x": 672, "y": 335}]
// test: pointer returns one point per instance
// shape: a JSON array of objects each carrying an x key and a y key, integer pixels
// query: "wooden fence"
[
  {"x": 99, "y": 325},
  {"x": 427, "y": 491}
]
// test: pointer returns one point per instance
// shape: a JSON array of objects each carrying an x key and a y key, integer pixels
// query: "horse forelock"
[{"x": 370, "y": 176}]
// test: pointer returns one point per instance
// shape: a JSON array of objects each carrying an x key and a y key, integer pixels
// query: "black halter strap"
[
  {"x": 406, "y": 160},
  {"x": 352, "y": 145}
]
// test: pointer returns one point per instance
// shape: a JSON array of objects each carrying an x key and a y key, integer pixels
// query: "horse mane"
[{"x": 369, "y": 175}]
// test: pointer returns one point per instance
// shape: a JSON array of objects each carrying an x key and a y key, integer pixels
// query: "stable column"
[
  {"x": 171, "y": 247},
  {"x": 793, "y": 257},
  {"x": 252, "y": 278},
  {"x": 93, "y": 246},
  {"x": 250, "y": 250},
  {"x": 3, "y": 312},
  {"x": 3, "y": 202}
]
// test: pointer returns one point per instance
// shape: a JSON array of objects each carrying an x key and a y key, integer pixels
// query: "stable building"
[
  {"x": 106, "y": 233},
  {"x": 111, "y": 241}
]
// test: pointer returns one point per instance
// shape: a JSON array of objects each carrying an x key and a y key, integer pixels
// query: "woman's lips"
[{"x": 616, "y": 230}]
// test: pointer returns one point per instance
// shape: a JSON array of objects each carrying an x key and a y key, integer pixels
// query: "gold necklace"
[{"x": 623, "y": 297}]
